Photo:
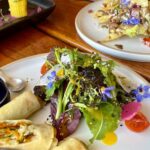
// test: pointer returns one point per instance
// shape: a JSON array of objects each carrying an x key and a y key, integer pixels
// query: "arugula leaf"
[{"x": 101, "y": 120}]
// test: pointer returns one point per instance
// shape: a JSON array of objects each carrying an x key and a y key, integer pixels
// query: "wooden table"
[
  {"x": 57, "y": 30},
  {"x": 26, "y": 43}
]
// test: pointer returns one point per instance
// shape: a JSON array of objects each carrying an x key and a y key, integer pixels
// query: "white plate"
[
  {"x": 29, "y": 69},
  {"x": 89, "y": 30}
]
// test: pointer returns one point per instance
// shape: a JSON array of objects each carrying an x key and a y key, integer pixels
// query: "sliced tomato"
[
  {"x": 138, "y": 123},
  {"x": 44, "y": 69},
  {"x": 146, "y": 41}
]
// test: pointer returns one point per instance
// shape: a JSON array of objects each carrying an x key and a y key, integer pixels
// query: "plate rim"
[
  {"x": 120, "y": 54},
  {"x": 23, "y": 59}
]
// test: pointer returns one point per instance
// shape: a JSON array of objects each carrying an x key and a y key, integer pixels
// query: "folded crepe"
[
  {"x": 24, "y": 135},
  {"x": 21, "y": 107},
  {"x": 70, "y": 144}
]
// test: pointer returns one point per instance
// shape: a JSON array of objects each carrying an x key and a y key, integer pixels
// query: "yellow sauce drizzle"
[{"x": 110, "y": 139}]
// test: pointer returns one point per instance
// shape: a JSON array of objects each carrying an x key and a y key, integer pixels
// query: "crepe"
[
  {"x": 24, "y": 135},
  {"x": 21, "y": 107},
  {"x": 70, "y": 144}
]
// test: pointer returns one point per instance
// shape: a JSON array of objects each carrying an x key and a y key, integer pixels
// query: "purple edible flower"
[
  {"x": 49, "y": 85},
  {"x": 52, "y": 75},
  {"x": 131, "y": 21},
  {"x": 52, "y": 79},
  {"x": 125, "y": 2},
  {"x": 106, "y": 92},
  {"x": 141, "y": 93}
]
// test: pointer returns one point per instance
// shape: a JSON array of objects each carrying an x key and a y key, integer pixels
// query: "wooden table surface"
[
  {"x": 26, "y": 43},
  {"x": 60, "y": 24},
  {"x": 57, "y": 30}
]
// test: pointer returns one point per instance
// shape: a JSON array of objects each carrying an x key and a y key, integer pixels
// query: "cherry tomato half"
[
  {"x": 146, "y": 41},
  {"x": 138, "y": 123},
  {"x": 44, "y": 69}
]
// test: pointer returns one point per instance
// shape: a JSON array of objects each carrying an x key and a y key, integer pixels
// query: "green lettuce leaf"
[{"x": 101, "y": 120}]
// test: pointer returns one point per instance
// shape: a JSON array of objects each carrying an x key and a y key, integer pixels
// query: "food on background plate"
[
  {"x": 20, "y": 107},
  {"x": 24, "y": 135},
  {"x": 83, "y": 85},
  {"x": 18, "y": 8},
  {"x": 124, "y": 17}
]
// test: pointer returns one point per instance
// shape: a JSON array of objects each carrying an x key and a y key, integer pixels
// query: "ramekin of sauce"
[{"x": 4, "y": 93}]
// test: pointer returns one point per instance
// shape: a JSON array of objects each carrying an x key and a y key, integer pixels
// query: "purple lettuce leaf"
[{"x": 67, "y": 122}]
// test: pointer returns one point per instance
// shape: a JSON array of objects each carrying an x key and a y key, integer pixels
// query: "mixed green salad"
[{"x": 81, "y": 85}]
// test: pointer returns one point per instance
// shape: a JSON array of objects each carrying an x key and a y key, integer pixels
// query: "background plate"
[
  {"x": 29, "y": 69},
  {"x": 89, "y": 30},
  {"x": 37, "y": 11}
]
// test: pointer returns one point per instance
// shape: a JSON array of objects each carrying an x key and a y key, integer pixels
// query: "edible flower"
[
  {"x": 49, "y": 85},
  {"x": 141, "y": 93},
  {"x": 106, "y": 92},
  {"x": 131, "y": 21},
  {"x": 60, "y": 73},
  {"x": 51, "y": 78},
  {"x": 125, "y": 2}
]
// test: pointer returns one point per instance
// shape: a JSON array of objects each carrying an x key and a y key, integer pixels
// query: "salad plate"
[
  {"x": 29, "y": 70},
  {"x": 90, "y": 32}
]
